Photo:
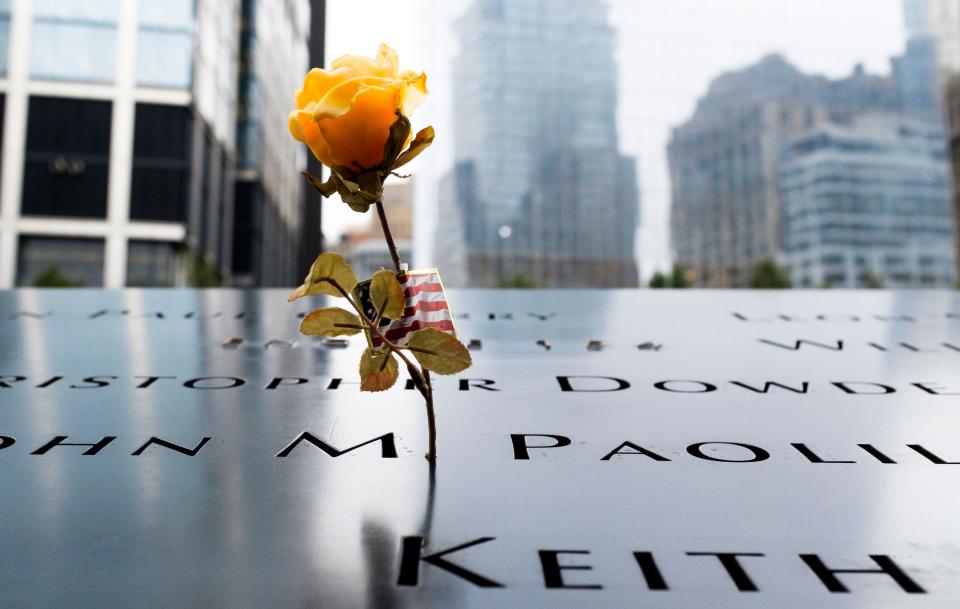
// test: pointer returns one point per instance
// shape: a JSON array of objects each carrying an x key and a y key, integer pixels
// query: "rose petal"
[
  {"x": 383, "y": 65},
  {"x": 356, "y": 139}
]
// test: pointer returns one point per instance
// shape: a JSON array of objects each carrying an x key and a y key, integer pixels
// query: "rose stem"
[
  {"x": 388, "y": 235},
  {"x": 431, "y": 419},
  {"x": 428, "y": 393}
]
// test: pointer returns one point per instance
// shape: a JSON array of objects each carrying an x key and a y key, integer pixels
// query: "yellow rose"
[{"x": 344, "y": 114}]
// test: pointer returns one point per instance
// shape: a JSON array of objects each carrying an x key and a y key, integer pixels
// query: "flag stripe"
[
  {"x": 423, "y": 287},
  {"x": 446, "y": 325},
  {"x": 426, "y": 296},
  {"x": 425, "y": 305}
]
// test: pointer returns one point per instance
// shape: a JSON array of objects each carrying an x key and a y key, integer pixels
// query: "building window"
[
  {"x": 67, "y": 158},
  {"x": 4, "y": 35},
  {"x": 159, "y": 187},
  {"x": 74, "y": 40},
  {"x": 60, "y": 262},
  {"x": 3, "y": 100},
  {"x": 165, "y": 44},
  {"x": 151, "y": 264}
]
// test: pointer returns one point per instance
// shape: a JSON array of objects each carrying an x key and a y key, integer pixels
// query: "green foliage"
[
  {"x": 678, "y": 278},
  {"x": 201, "y": 273},
  {"x": 872, "y": 281},
  {"x": 767, "y": 274},
  {"x": 518, "y": 281},
  {"x": 53, "y": 277}
]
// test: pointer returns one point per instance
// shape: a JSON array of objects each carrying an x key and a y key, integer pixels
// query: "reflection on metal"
[
  {"x": 232, "y": 343},
  {"x": 139, "y": 455},
  {"x": 594, "y": 345},
  {"x": 280, "y": 343}
]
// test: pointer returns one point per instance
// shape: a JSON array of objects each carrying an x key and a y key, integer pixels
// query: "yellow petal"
[
  {"x": 340, "y": 99},
  {"x": 356, "y": 139},
  {"x": 383, "y": 65},
  {"x": 414, "y": 92},
  {"x": 294, "y": 126},
  {"x": 312, "y": 137},
  {"x": 318, "y": 82}
]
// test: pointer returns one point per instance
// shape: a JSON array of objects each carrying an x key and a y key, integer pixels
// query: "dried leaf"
[
  {"x": 330, "y": 321},
  {"x": 423, "y": 139},
  {"x": 378, "y": 370},
  {"x": 327, "y": 269},
  {"x": 438, "y": 351},
  {"x": 324, "y": 188},
  {"x": 399, "y": 132},
  {"x": 354, "y": 195},
  {"x": 386, "y": 294}
]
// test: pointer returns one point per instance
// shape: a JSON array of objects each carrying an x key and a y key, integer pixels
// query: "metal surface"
[{"x": 235, "y": 525}]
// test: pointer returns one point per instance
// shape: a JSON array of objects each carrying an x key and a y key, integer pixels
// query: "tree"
[
  {"x": 678, "y": 278},
  {"x": 767, "y": 274},
  {"x": 518, "y": 281},
  {"x": 53, "y": 277},
  {"x": 202, "y": 273},
  {"x": 872, "y": 281}
]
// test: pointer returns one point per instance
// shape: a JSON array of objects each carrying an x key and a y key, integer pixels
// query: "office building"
[
  {"x": 867, "y": 203},
  {"x": 119, "y": 133},
  {"x": 540, "y": 189},
  {"x": 726, "y": 211},
  {"x": 938, "y": 20},
  {"x": 270, "y": 232},
  {"x": 953, "y": 148}
]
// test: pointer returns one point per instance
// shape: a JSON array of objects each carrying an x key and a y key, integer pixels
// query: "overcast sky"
[{"x": 667, "y": 53}]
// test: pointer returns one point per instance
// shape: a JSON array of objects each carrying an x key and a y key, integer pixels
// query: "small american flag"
[{"x": 426, "y": 307}]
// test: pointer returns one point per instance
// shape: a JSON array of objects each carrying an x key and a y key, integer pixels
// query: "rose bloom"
[{"x": 344, "y": 114}]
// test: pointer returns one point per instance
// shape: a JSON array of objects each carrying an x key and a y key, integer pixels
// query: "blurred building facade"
[
  {"x": 311, "y": 227},
  {"x": 540, "y": 189},
  {"x": 119, "y": 155},
  {"x": 726, "y": 207},
  {"x": 866, "y": 202},
  {"x": 366, "y": 250},
  {"x": 936, "y": 20},
  {"x": 269, "y": 225},
  {"x": 953, "y": 146}
]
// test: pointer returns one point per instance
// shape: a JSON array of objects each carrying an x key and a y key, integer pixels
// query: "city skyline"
[{"x": 667, "y": 53}]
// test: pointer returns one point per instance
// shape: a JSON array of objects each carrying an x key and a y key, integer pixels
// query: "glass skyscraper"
[
  {"x": 867, "y": 202},
  {"x": 539, "y": 191}
]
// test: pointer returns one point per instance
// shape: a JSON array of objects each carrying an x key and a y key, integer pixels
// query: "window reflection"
[
  {"x": 74, "y": 40},
  {"x": 60, "y": 262},
  {"x": 4, "y": 35},
  {"x": 151, "y": 264},
  {"x": 165, "y": 44}
]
